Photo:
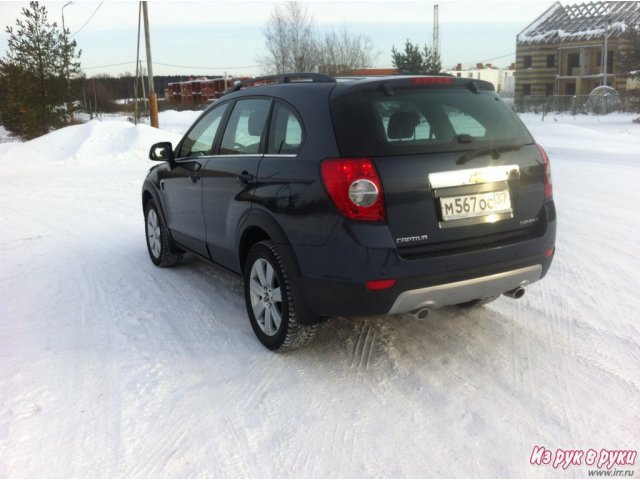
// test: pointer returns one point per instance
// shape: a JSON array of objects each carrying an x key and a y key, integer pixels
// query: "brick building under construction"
[
  {"x": 570, "y": 50},
  {"x": 200, "y": 90}
]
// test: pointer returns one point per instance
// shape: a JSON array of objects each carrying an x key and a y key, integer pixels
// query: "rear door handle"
[
  {"x": 245, "y": 177},
  {"x": 195, "y": 177}
]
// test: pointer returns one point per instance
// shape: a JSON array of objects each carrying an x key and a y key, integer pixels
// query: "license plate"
[{"x": 478, "y": 205}]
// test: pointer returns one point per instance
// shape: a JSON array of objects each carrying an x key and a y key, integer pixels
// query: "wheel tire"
[
  {"x": 159, "y": 245},
  {"x": 478, "y": 302},
  {"x": 269, "y": 297}
]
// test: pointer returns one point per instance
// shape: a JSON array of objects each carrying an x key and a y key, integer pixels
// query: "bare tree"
[
  {"x": 341, "y": 52},
  {"x": 293, "y": 44}
]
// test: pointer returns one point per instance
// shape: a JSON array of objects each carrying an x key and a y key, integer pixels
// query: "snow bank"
[{"x": 95, "y": 141}]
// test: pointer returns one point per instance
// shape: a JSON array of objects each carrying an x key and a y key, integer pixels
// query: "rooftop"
[{"x": 583, "y": 21}]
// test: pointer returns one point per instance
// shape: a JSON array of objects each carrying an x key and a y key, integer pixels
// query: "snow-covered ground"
[{"x": 112, "y": 367}]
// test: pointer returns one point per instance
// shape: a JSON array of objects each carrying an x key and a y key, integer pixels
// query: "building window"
[
  {"x": 551, "y": 61},
  {"x": 609, "y": 60},
  {"x": 573, "y": 61},
  {"x": 527, "y": 61},
  {"x": 526, "y": 89},
  {"x": 548, "y": 89}
]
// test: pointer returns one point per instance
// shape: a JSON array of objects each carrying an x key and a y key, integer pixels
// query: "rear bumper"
[
  {"x": 333, "y": 277},
  {"x": 465, "y": 290},
  {"x": 331, "y": 297}
]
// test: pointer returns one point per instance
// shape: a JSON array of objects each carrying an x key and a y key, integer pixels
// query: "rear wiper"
[{"x": 494, "y": 151}]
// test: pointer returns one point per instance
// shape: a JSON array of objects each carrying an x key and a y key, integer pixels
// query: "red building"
[{"x": 200, "y": 90}]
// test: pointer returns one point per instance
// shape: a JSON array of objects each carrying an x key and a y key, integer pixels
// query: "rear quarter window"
[
  {"x": 286, "y": 134},
  {"x": 423, "y": 120}
]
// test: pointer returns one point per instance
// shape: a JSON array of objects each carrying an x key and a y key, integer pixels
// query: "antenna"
[{"x": 436, "y": 31}]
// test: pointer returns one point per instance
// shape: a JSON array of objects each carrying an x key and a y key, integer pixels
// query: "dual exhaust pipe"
[{"x": 516, "y": 293}]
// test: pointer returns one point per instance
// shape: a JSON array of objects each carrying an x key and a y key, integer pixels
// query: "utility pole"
[
  {"x": 95, "y": 97},
  {"x": 436, "y": 32},
  {"x": 66, "y": 62},
  {"x": 144, "y": 94},
  {"x": 605, "y": 54},
  {"x": 135, "y": 85},
  {"x": 153, "y": 99}
]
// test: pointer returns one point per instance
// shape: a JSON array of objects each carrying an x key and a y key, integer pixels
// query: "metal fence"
[{"x": 578, "y": 104}]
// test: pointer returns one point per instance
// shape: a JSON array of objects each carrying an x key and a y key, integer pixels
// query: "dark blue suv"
[{"x": 357, "y": 196}]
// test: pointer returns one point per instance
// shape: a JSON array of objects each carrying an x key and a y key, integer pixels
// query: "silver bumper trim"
[{"x": 464, "y": 291}]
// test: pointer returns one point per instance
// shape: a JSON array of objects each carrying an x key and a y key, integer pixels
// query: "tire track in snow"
[
  {"x": 240, "y": 453},
  {"x": 559, "y": 336},
  {"x": 365, "y": 341},
  {"x": 364, "y": 346},
  {"x": 162, "y": 452},
  {"x": 268, "y": 368}
]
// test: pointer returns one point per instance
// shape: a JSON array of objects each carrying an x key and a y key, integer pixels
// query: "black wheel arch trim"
[
  {"x": 256, "y": 217},
  {"x": 150, "y": 187}
]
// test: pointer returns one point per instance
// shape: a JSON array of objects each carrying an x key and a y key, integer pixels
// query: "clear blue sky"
[{"x": 214, "y": 37}]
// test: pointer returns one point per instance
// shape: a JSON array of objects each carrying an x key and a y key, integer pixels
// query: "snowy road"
[{"x": 112, "y": 367}]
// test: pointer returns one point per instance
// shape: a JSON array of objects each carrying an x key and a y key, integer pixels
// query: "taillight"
[
  {"x": 548, "y": 186},
  {"x": 355, "y": 188}
]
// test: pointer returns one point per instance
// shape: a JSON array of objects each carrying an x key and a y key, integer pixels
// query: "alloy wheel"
[
  {"x": 266, "y": 296},
  {"x": 153, "y": 233}
]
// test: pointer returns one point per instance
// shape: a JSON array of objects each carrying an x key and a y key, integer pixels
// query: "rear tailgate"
[
  {"x": 458, "y": 168},
  {"x": 427, "y": 216}
]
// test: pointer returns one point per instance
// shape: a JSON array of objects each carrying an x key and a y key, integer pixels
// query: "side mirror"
[{"x": 161, "y": 152}]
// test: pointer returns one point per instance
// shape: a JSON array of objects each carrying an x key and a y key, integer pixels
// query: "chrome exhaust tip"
[
  {"x": 420, "y": 313},
  {"x": 516, "y": 293}
]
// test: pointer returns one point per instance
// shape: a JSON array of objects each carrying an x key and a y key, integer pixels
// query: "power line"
[
  {"x": 206, "y": 68},
  {"x": 498, "y": 58},
  {"x": 88, "y": 20},
  {"x": 107, "y": 66},
  {"x": 172, "y": 65}
]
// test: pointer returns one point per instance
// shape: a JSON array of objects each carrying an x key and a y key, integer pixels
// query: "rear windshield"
[{"x": 371, "y": 123}]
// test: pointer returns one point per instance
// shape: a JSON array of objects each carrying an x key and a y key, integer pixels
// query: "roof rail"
[{"x": 284, "y": 78}]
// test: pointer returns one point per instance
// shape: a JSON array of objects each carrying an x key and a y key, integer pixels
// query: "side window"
[
  {"x": 286, "y": 131},
  {"x": 463, "y": 123},
  {"x": 245, "y": 127},
  {"x": 199, "y": 141}
]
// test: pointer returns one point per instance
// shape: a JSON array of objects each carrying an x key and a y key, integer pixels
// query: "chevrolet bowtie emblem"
[{"x": 477, "y": 177}]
